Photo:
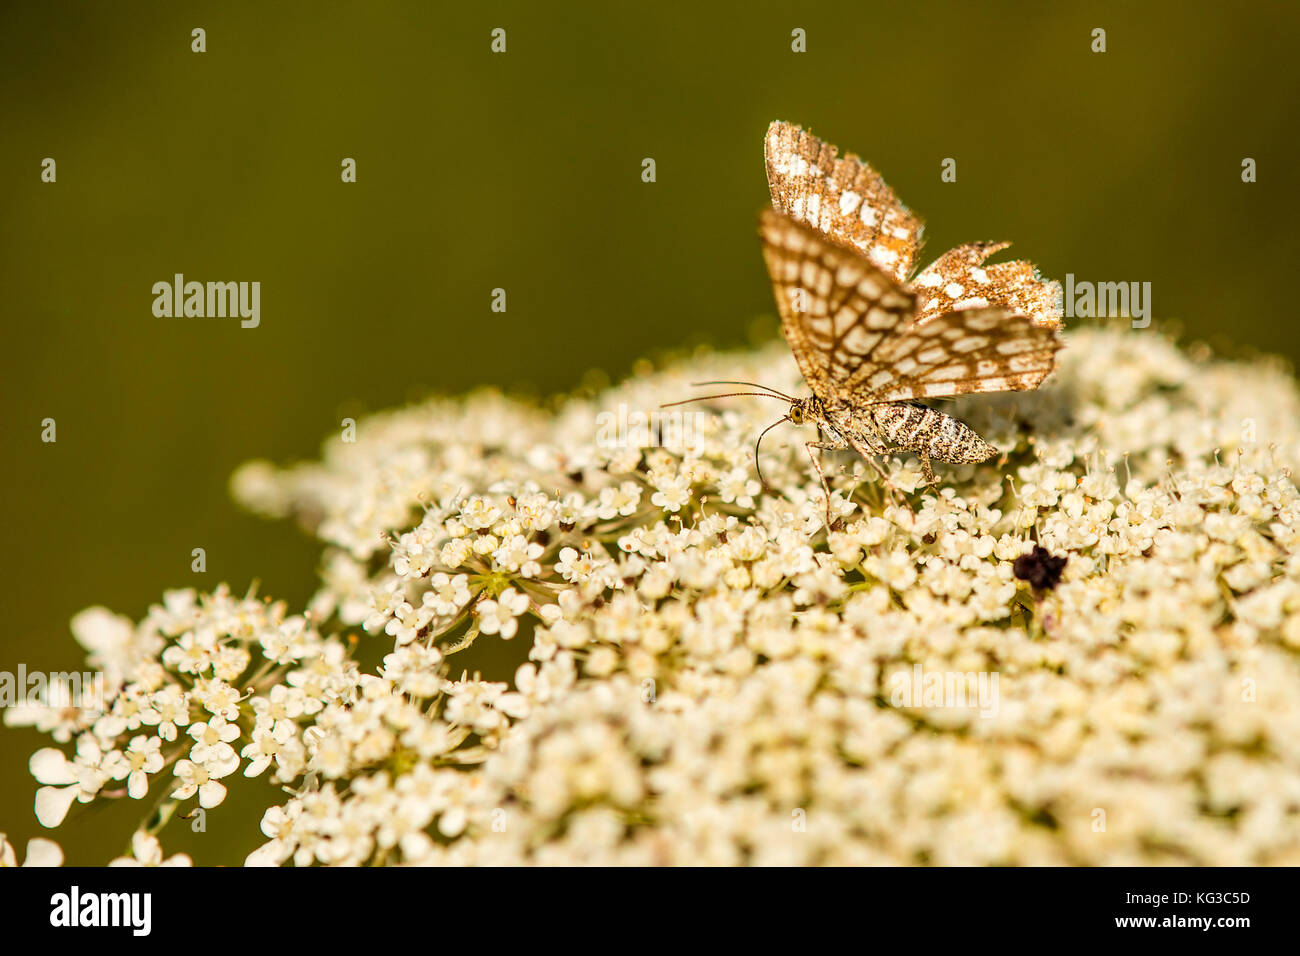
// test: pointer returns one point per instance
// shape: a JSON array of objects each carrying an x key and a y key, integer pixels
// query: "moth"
[{"x": 870, "y": 338}]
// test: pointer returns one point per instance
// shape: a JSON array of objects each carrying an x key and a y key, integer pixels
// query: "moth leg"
[
  {"x": 816, "y": 460},
  {"x": 890, "y": 489},
  {"x": 869, "y": 455},
  {"x": 880, "y": 469},
  {"x": 927, "y": 472}
]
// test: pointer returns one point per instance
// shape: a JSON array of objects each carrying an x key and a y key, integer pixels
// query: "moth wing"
[
  {"x": 957, "y": 353},
  {"x": 959, "y": 280},
  {"x": 843, "y": 198},
  {"x": 838, "y": 311}
]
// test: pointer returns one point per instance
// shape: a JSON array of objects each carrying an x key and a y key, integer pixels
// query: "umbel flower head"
[{"x": 713, "y": 675}]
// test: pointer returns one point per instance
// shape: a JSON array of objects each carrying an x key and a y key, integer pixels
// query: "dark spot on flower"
[
  {"x": 1040, "y": 568},
  {"x": 543, "y": 538},
  {"x": 576, "y": 477},
  {"x": 567, "y": 526},
  {"x": 928, "y": 538}
]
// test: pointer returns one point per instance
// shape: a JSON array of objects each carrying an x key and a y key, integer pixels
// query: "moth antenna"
[
  {"x": 705, "y": 398},
  {"x": 757, "y": 466},
  {"x": 769, "y": 388}
]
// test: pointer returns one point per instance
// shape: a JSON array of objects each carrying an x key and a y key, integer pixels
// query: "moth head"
[{"x": 797, "y": 413}]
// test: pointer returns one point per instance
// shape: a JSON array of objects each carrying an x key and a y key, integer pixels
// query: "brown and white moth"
[{"x": 840, "y": 249}]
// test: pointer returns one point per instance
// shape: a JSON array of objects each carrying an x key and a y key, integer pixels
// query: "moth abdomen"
[
  {"x": 917, "y": 428},
  {"x": 958, "y": 443}
]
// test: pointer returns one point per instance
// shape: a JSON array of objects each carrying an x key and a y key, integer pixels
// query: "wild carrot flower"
[{"x": 1084, "y": 651}]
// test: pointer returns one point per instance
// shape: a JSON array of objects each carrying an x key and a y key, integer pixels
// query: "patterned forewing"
[
  {"x": 971, "y": 350},
  {"x": 837, "y": 309},
  {"x": 842, "y": 198}
]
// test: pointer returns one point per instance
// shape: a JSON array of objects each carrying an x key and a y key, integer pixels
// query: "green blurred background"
[{"x": 522, "y": 171}]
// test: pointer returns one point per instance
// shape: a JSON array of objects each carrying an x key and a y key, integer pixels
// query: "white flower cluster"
[{"x": 714, "y": 676}]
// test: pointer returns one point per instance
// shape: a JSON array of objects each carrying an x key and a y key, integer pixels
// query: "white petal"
[
  {"x": 137, "y": 785},
  {"x": 42, "y": 852},
  {"x": 452, "y": 822},
  {"x": 50, "y": 765},
  {"x": 268, "y": 854},
  {"x": 146, "y": 848},
  {"x": 99, "y": 629},
  {"x": 53, "y": 804}
]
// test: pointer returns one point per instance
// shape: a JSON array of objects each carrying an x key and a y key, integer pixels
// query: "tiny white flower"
[
  {"x": 500, "y": 616},
  {"x": 147, "y": 851}
]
